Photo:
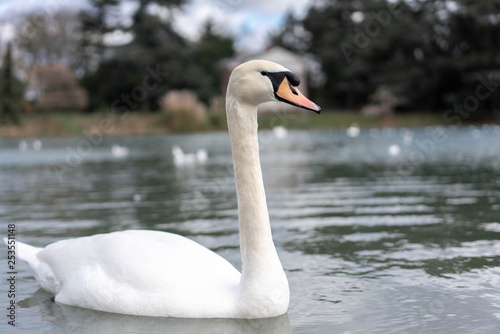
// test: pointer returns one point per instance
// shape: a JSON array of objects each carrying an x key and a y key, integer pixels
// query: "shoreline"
[{"x": 149, "y": 124}]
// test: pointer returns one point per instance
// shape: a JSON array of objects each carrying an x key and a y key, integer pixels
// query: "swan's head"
[{"x": 259, "y": 81}]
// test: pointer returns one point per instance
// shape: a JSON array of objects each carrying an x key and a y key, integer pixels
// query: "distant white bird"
[
  {"x": 37, "y": 145},
  {"x": 201, "y": 156},
  {"x": 394, "y": 149},
  {"x": 353, "y": 131},
  {"x": 475, "y": 132},
  {"x": 407, "y": 138},
  {"x": 280, "y": 132},
  {"x": 23, "y": 145},
  {"x": 181, "y": 158},
  {"x": 119, "y": 151}
]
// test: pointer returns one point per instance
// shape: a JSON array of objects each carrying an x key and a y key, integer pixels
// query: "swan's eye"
[{"x": 264, "y": 73}]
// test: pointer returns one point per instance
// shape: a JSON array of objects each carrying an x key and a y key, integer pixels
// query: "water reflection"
[{"x": 80, "y": 321}]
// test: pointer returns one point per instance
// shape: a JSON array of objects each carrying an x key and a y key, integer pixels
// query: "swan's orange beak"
[{"x": 290, "y": 94}]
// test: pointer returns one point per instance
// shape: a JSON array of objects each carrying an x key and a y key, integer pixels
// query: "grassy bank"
[
  {"x": 344, "y": 119},
  {"x": 74, "y": 124},
  {"x": 145, "y": 123}
]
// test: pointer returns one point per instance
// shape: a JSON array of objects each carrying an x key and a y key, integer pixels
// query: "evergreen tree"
[
  {"x": 428, "y": 53},
  {"x": 95, "y": 23},
  {"x": 155, "y": 44},
  {"x": 10, "y": 95}
]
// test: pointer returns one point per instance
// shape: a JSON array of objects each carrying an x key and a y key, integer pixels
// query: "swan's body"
[
  {"x": 162, "y": 274},
  {"x": 353, "y": 131},
  {"x": 119, "y": 151},
  {"x": 37, "y": 145},
  {"x": 280, "y": 132},
  {"x": 23, "y": 145},
  {"x": 136, "y": 272}
]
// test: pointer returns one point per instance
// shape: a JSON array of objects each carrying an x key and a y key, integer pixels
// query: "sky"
[{"x": 248, "y": 21}]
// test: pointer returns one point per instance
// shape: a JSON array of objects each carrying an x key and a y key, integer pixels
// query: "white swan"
[
  {"x": 280, "y": 132},
  {"x": 23, "y": 145},
  {"x": 119, "y": 151},
  {"x": 155, "y": 273},
  {"x": 37, "y": 145},
  {"x": 353, "y": 130},
  {"x": 181, "y": 158}
]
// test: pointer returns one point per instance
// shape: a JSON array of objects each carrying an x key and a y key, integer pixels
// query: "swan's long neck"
[{"x": 262, "y": 274}]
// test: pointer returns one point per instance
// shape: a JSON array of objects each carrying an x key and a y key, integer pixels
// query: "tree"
[
  {"x": 323, "y": 32},
  {"x": 428, "y": 53},
  {"x": 155, "y": 44},
  {"x": 10, "y": 91},
  {"x": 205, "y": 62},
  {"x": 45, "y": 40},
  {"x": 96, "y": 22}
]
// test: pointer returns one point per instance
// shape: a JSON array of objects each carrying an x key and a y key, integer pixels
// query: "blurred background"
[{"x": 377, "y": 61}]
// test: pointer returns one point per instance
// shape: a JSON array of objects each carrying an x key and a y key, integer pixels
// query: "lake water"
[{"x": 390, "y": 231}]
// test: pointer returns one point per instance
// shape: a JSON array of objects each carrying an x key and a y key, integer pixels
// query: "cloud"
[
  {"x": 249, "y": 22},
  {"x": 276, "y": 7},
  {"x": 7, "y": 32},
  {"x": 10, "y": 8}
]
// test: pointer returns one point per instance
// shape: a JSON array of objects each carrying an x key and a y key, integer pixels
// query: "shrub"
[
  {"x": 183, "y": 111},
  {"x": 217, "y": 113}
]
